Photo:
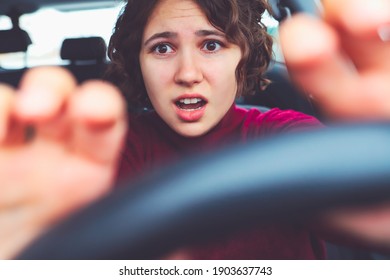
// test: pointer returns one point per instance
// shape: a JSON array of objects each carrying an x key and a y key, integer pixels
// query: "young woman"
[{"x": 188, "y": 60}]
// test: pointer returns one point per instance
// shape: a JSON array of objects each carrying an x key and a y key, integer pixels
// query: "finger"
[
  {"x": 18, "y": 230},
  {"x": 317, "y": 64},
  {"x": 42, "y": 100},
  {"x": 6, "y": 103},
  {"x": 361, "y": 18},
  {"x": 42, "y": 93},
  {"x": 370, "y": 223},
  {"x": 99, "y": 121},
  {"x": 364, "y": 28},
  {"x": 11, "y": 131}
]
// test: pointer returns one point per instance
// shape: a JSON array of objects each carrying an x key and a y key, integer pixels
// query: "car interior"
[{"x": 86, "y": 58}]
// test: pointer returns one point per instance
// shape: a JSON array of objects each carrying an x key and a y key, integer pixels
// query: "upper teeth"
[{"x": 190, "y": 100}]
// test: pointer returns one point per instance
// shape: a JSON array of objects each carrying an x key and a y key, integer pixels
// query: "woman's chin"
[{"x": 191, "y": 130}]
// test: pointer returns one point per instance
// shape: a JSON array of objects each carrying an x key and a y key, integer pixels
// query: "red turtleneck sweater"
[{"x": 151, "y": 142}]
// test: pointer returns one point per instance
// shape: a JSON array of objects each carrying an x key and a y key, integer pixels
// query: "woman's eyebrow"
[
  {"x": 165, "y": 35},
  {"x": 169, "y": 35},
  {"x": 203, "y": 33}
]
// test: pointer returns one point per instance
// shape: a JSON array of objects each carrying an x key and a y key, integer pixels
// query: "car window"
[
  {"x": 48, "y": 28},
  {"x": 273, "y": 30}
]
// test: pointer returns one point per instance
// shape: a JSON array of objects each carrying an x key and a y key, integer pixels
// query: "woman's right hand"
[{"x": 69, "y": 160}]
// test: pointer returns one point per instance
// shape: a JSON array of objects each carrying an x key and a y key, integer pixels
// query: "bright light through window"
[{"x": 49, "y": 27}]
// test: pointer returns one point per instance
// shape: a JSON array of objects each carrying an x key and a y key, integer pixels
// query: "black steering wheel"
[{"x": 265, "y": 181}]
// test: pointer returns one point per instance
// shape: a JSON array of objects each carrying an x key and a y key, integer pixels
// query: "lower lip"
[{"x": 190, "y": 116}]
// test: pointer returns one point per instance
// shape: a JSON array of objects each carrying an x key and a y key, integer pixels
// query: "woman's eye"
[
  {"x": 212, "y": 46},
  {"x": 162, "y": 49}
]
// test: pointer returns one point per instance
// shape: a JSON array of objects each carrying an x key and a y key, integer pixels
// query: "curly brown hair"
[{"x": 240, "y": 20}]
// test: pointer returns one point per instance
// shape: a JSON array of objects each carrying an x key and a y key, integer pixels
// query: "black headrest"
[
  {"x": 91, "y": 48},
  {"x": 14, "y": 40}
]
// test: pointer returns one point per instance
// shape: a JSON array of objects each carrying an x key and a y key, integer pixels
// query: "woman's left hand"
[{"x": 343, "y": 61}]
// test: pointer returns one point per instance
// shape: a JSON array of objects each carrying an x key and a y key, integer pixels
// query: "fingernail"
[
  {"x": 35, "y": 102},
  {"x": 373, "y": 14},
  {"x": 4, "y": 118},
  {"x": 384, "y": 32},
  {"x": 2, "y": 133},
  {"x": 376, "y": 8}
]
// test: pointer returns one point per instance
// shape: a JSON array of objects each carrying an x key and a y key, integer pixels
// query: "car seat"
[
  {"x": 86, "y": 57},
  {"x": 282, "y": 94},
  {"x": 12, "y": 41}
]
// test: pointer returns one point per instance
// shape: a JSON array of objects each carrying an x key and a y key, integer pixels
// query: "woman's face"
[{"x": 188, "y": 67}]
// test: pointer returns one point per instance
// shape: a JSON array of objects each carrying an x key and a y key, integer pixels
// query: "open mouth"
[{"x": 190, "y": 104}]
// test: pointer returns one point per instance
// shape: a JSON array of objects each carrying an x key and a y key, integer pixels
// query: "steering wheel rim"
[{"x": 332, "y": 167}]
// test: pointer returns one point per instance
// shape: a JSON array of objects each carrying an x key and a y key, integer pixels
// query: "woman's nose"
[{"x": 188, "y": 71}]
